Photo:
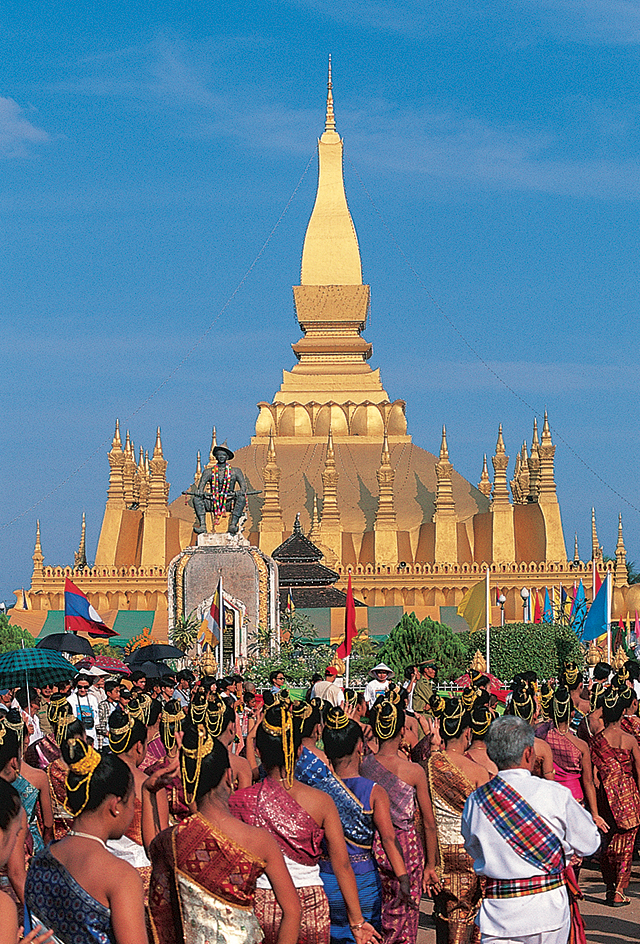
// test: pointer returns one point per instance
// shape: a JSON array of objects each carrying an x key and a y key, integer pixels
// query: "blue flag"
[
  {"x": 547, "y": 614},
  {"x": 596, "y": 622},
  {"x": 579, "y": 610}
]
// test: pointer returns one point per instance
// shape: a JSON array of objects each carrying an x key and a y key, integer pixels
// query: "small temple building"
[{"x": 332, "y": 452}]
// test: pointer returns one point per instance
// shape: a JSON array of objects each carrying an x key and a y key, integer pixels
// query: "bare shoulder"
[
  {"x": 542, "y": 749},
  {"x": 410, "y": 772},
  {"x": 8, "y": 918}
]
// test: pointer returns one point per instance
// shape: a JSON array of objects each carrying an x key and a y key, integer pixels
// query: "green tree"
[
  {"x": 412, "y": 641},
  {"x": 12, "y": 636},
  {"x": 518, "y": 647},
  {"x": 184, "y": 631}
]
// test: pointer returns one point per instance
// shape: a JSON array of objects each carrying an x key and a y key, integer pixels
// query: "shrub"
[
  {"x": 518, "y": 647},
  {"x": 12, "y": 636},
  {"x": 412, "y": 641}
]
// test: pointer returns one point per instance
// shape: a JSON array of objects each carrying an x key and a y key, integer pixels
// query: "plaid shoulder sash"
[{"x": 520, "y": 826}]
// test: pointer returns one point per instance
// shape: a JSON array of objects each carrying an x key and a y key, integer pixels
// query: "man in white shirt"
[
  {"x": 85, "y": 705},
  {"x": 328, "y": 690},
  {"x": 379, "y": 683},
  {"x": 526, "y": 898}
]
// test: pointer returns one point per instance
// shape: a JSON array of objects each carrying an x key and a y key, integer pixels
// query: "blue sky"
[{"x": 492, "y": 165}]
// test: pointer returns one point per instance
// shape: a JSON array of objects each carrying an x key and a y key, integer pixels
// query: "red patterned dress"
[{"x": 619, "y": 804}]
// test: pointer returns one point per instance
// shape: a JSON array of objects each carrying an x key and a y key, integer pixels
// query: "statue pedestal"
[{"x": 249, "y": 585}]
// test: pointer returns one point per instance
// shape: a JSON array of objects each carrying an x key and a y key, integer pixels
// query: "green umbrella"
[{"x": 23, "y": 668}]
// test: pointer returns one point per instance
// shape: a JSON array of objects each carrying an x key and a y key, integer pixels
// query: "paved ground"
[{"x": 604, "y": 925}]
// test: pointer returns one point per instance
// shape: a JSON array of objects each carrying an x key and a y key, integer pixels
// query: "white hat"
[{"x": 381, "y": 667}]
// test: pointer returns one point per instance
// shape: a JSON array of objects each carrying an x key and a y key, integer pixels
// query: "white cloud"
[{"x": 17, "y": 133}]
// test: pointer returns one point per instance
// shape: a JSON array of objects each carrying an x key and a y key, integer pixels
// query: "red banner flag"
[{"x": 350, "y": 631}]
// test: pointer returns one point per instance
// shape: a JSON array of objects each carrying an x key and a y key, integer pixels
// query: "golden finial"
[
  {"x": 500, "y": 450},
  {"x": 198, "y": 465},
  {"x": 38, "y": 545},
  {"x": 146, "y": 461},
  {"x": 535, "y": 442},
  {"x": 484, "y": 485},
  {"x": 80, "y": 557},
  {"x": 444, "y": 450},
  {"x": 271, "y": 449},
  {"x": 116, "y": 443},
  {"x": 330, "y": 451},
  {"x": 385, "y": 459},
  {"x": 330, "y": 123},
  {"x": 576, "y": 552},
  {"x": 157, "y": 451},
  {"x": 214, "y": 443},
  {"x": 546, "y": 431},
  {"x": 315, "y": 520},
  {"x": 127, "y": 445}
]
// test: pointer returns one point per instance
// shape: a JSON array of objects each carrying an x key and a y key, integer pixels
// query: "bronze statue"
[{"x": 217, "y": 492}]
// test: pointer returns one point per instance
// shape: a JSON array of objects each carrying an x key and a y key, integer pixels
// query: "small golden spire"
[
  {"x": 546, "y": 431},
  {"x": 146, "y": 462},
  {"x": 38, "y": 557},
  {"x": 500, "y": 450},
  {"x": 157, "y": 451},
  {"x": 576, "y": 552},
  {"x": 127, "y": 445},
  {"x": 596, "y": 550},
  {"x": 330, "y": 123},
  {"x": 80, "y": 556},
  {"x": 116, "y": 442},
  {"x": 314, "y": 531},
  {"x": 330, "y": 452},
  {"x": 444, "y": 450},
  {"x": 271, "y": 448},
  {"x": 621, "y": 577},
  {"x": 484, "y": 485},
  {"x": 385, "y": 458},
  {"x": 198, "y": 465},
  {"x": 535, "y": 441}
]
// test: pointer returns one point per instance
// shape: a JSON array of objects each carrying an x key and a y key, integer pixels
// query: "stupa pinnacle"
[{"x": 331, "y": 385}]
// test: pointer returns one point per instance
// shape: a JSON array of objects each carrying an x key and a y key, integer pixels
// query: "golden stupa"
[{"x": 332, "y": 446}]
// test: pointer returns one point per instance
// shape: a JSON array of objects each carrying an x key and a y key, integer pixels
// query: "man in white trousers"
[{"x": 521, "y": 832}]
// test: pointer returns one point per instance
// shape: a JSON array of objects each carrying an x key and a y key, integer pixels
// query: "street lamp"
[
  {"x": 501, "y": 601},
  {"x": 524, "y": 593}
]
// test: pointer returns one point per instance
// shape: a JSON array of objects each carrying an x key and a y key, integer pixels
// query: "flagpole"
[
  {"x": 609, "y": 601},
  {"x": 347, "y": 662},
  {"x": 488, "y": 618}
]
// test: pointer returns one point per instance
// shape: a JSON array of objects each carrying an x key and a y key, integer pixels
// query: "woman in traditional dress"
[
  {"x": 406, "y": 784},
  {"x": 571, "y": 757},
  {"x": 453, "y": 776},
  {"x": 128, "y": 739},
  {"x": 616, "y": 757},
  {"x": 13, "y": 872},
  {"x": 300, "y": 818},
  {"x": 10, "y": 810},
  {"x": 630, "y": 722},
  {"x": 66, "y": 726},
  {"x": 33, "y": 787},
  {"x": 481, "y": 717},
  {"x": 309, "y": 726},
  {"x": 344, "y": 746},
  {"x": 205, "y": 869},
  {"x": 523, "y": 705},
  {"x": 76, "y": 886}
]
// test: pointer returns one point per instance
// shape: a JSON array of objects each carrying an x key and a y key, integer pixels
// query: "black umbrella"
[
  {"x": 155, "y": 652},
  {"x": 152, "y": 670},
  {"x": 66, "y": 642}
]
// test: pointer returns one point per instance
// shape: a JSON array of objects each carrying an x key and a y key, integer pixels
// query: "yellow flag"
[{"x": 473, "y": 607}]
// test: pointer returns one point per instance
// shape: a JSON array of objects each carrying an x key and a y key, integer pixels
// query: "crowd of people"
[{"x": 192, "y": 810}]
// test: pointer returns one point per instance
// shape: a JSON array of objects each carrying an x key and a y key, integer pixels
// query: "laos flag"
[{"x": 79, "y": 615}]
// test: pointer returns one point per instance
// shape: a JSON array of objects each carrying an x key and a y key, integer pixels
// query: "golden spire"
[
  {"x": 546, "y": 451},
  {"x": 157, "y": 450},
  {"x": 198, "y": 473},
  {"x": 330, "y": 511},
  {"x": 271, "y": 515},
  {"x": 621, "y": 574},
  {"x": 596, "y": 549},
  {"x": 534, "y": 465},
  {"x": 576, "y": 552},
  {"x": 80, "y": 556},
  {"x": 330, "y": 122},
  {"x": 330, "y": 255},
  {"x": 314, "y": 531},
  {"x": 484, "y": 485},
  {"x": 386, "y": 514},
  {"x": 500, "y": 462},
  {"x": 38, "y": 557},
  {"x": 214, "y": 442},
  {"x": 129, "y": 471},
  {"x": 115, "y": 493},
  {"x": 446, "y": 548}
]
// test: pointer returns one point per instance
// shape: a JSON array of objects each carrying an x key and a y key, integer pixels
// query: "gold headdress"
[
  {"x": 546, "y": 698},
  {"x": 386, "y": 720},
  {"x": 570, "y": 673},
  {"x": 170, "y": 722},
  {"x": 481, "y": 718},
  {"x": 83, "y": 769},
  {"x": 119, "y": 738},
  {"x": 561, "y": 706},
  {"x": 468, "y": 697},
  {"x": 214, "y": 716},
  {"x": 139, "y": 707},
  {"x": 284, "y": 730},
  {"x": 437, "y": 705},
  {"x": 350, "y": 699},
  {"x": 594, "y": 695},
  {"x": 454, "y": 718},
  {"x": 523, "y": 704},
  {"x": 337, "y": 719},
  {"x": 198, "y": 707},
  {"x": 196, "y": 754},
  {"x": 611, "y": 697}
]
